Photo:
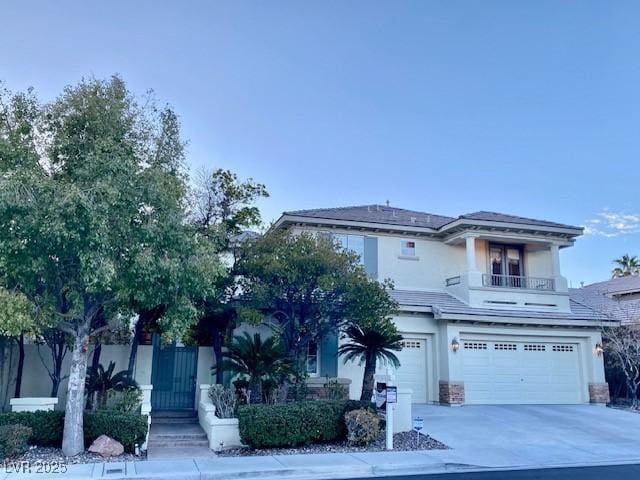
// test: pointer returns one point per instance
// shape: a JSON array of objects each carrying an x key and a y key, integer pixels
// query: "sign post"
[
  {"x": 386, "y": 396},
  {"x": 418, "y": 424}
]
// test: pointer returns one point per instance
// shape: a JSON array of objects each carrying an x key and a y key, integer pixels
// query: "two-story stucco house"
[{"x": 484, "y": 310}]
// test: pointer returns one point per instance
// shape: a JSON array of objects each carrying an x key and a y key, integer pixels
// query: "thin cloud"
[{"x": 612, "y": 224}]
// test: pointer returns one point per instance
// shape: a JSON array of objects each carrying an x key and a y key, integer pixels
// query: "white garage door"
[
  {"x": 519, "y": 372},
  {"x": 413, "y": 371}
]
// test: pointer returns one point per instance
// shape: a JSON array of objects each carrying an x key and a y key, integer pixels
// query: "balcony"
[
  {"x": 517, "y": 282},
  {"x": 479, "y": 289}
]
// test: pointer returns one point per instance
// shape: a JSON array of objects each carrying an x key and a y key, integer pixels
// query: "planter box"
[
  {"x": 33, "y": 404},
  {"x": 221, "y": 432}
]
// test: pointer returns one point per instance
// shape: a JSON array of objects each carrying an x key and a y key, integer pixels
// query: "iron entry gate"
[{"x": 173, "y": 375}]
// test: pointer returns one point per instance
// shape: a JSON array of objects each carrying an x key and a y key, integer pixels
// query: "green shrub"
[
  {"x": 363, "y": 426},
  {"x": 296, "y": 423},
  {"x": 126, "y": 428},
  {"x": 14, "y": 440},
  {"x": 46, "y": 427}
]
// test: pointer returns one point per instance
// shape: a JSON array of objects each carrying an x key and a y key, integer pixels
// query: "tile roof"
[
  {"x": 448, "y": 304},
  {"x": 602, "y": 298},
  {"x": 501, "y": 217},
  {"x": 403, "y": 217},
  {"x": 376, "y": 214},
  {"x": 627, "y": 284}
]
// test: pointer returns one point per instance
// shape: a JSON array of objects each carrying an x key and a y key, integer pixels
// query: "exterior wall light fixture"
[
  {"x": 455, "y": 345},
  {"x": 598, "y": 349}
]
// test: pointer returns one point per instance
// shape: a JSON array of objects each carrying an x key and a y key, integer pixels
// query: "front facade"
[{"x": 484, "y": 310}]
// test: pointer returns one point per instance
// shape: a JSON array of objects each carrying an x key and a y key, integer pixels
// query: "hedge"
[
  {"x": 127, "y": 428},
  {"x": 296, "y": 423},
  {"x": 14, "y": 440},
  {"x": 46, "y": 427}
]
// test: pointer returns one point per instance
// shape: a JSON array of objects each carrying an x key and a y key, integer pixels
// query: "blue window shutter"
[
  {"x": 329, "y": 355},
  {"x": 371, "y": 256}
]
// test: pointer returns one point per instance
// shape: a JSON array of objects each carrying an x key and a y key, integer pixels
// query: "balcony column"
[
  {"x": 555, "y": 260},
  {"x": 474, "y": 276},
  {"x": 471, "y": 253},
  {"x": 560, "y": 283}
]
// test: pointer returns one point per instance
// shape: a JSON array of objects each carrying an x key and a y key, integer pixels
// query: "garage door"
[
  {"x": 413, "y": 371},
  {"x": 519, "y": 372}
]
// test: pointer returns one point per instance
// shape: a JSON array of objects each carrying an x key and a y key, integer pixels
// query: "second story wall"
[{"x": 433, "y": 262}]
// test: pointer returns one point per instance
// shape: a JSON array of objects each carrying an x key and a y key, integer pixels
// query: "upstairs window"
[
  {"x": 353, "y": 243},
  {"x": 407, "y": 248}
]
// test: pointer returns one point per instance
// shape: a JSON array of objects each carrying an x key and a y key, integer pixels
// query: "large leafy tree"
[
  {"x": 625, "y": 266},
  {"x": 309, "y": 286},
  {"x": 92, "y": 217},
  {"x": 222, "y": 209}
]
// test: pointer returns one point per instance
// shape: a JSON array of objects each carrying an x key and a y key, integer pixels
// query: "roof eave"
[
  {"x": 287, "y": 219},
  {"x": 463, "y": 222}
]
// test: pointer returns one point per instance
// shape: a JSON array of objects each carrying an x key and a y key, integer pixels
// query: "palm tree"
[
  {"x": 369, "y": 343},
  {"x": 100, "y": 382},
  {"x": 251, "y": 356},
  {"x": 625, "y": 266}
]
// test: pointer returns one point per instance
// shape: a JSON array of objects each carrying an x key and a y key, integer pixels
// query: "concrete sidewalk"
[{"x": 319, "y": 466}]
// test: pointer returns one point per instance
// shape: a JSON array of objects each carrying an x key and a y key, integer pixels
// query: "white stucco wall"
[{"x": 36, "y": 381}]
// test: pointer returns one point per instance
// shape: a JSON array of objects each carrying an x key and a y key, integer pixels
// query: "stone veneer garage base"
[
  {"x": 451, "y": 393},
  {"x": 599, "y": 393}
]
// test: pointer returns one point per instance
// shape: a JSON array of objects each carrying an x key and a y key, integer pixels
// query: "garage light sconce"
[
  {"x": 455, "y": 345},
  {"x": 599, "y": 350}
]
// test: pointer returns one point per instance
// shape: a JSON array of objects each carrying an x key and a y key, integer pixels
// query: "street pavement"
[{"x": 617, "y": 472}]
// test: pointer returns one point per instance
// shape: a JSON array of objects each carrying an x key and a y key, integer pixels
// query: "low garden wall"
[
  {"x": 33, "y": 404},
  {"x": 221, "y": 432}
]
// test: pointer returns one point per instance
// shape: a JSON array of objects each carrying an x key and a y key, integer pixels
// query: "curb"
[{"x": 312, "y": 473}]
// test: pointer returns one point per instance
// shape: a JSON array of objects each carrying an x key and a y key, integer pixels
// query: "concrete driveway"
[{"x": 532, "y": 435}]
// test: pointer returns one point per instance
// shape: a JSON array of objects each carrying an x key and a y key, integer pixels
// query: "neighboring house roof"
[
  {"x": 245, "y": 235},
  {"x": 612, "y": 298},
  {"x": 410, "y": 218},
  {"x": 617, "y": 286},
  {"x": 447, "y": 306}
]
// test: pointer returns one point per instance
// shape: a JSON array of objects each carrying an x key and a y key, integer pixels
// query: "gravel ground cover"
[
  {"x": 401, "y": 441},
  {"x": 51, "y": 455}
]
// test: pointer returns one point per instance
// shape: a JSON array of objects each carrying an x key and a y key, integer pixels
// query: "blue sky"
[{"x": 530, "y": 108}]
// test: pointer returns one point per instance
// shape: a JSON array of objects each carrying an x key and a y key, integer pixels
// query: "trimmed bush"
[
  {"x": 46, "y": 426},
  {"x": 126, "y": 428},
  {"x": 296, "y": 423},
  {"x": 363, "y": 426},
  {"x": 14, "y": 440}
]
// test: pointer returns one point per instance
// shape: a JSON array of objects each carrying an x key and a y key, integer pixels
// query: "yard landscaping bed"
[
  {"x": 50, "y": 455},
  {"x": 404, "y": 441}
]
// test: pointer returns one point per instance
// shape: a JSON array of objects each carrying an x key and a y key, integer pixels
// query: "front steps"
[{"x": 177, "y": 434}]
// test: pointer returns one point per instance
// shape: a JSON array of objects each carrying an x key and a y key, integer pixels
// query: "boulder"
[{"x": 106, "y": 447}]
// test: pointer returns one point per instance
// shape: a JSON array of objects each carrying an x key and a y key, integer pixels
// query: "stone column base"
[
  {"x": 599, "y": 393},
  {"x": 451, "y": 393}
]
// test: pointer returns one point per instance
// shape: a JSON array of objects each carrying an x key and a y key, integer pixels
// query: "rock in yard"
[{"x": 106, "y": 447}]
